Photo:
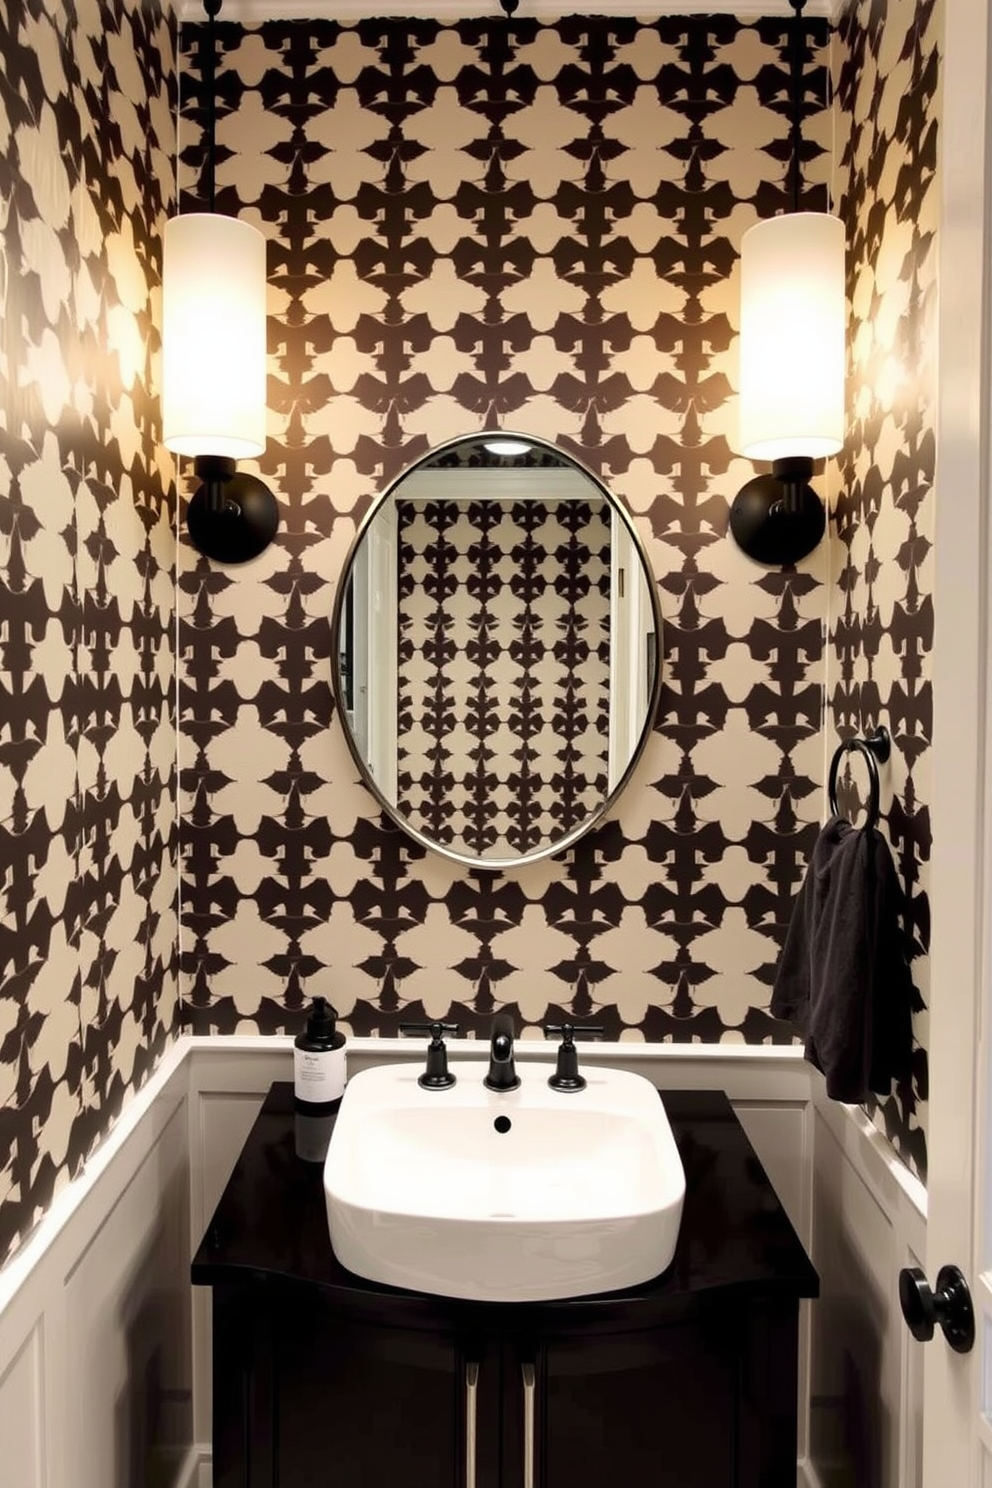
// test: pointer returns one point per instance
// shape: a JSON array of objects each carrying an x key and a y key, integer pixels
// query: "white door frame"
[{"x": 962, "y": 847}]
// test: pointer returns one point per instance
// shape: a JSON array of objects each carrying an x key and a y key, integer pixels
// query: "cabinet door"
[
  {"x": 705, "y": 1403},
  {"x": 654, "y": 1408},
  {"x": 323, "y": 1402}
]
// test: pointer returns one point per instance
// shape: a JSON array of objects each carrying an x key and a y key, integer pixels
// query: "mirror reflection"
[{"x": 496, "y": 649}]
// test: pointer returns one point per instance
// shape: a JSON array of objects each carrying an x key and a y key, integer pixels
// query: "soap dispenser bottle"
[{"x": 318, "y": 1062}]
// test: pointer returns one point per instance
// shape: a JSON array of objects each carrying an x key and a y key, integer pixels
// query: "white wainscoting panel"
[
  {"x": 127, "y": 1305},
  {"x": 22, "y": 1414},
  {"x": 95, "y": 1356},
  {"x": 781, "y": 1133},
  {"x": 869, "y": 1220}
]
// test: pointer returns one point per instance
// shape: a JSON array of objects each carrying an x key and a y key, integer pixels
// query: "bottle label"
[{"x": 318, "y": 1075}]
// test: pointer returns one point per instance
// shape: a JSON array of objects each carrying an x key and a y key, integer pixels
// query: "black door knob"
[{"x": 949, "y": 1304}]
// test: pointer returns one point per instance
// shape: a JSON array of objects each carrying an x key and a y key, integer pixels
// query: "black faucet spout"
[{"x": 502, "y": 1073}]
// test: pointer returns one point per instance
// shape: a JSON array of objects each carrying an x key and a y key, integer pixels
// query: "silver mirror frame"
[{"x": 568, "y": 839}]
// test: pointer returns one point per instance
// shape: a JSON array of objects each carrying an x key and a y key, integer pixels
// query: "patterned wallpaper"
[
  {"x": 464, "y": 230},
  {"x": 88, "y": 974},
  {"x": 881, "y": 621},
  {"x": 536, "y": 229},
  {"x": 504, "y": 664}
]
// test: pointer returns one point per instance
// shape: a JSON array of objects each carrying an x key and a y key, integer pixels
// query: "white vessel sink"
[{"x": 580, "y": 1192}]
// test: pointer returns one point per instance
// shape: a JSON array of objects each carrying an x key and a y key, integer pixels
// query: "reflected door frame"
[
  {"x": 381, "y": 582},
  {"x": 631, "y": 655}
]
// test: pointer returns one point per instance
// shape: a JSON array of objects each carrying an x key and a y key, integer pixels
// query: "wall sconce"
[
  {"x": 792, "y": 361},
  {"x": 214, "y": 358}
]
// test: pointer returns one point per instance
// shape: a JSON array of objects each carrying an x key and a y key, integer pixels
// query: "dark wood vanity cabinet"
[
  {"x": 689, "y": 1381},
  {"x": 304, "y": 1396}
]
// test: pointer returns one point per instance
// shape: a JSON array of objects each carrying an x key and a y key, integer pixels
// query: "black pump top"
[{"x": 322, "y": 1020}]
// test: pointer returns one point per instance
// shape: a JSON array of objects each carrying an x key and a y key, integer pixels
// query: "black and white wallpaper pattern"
[
  {"x": 538, "y": 228},
  {"x": 881, "y": 622},
  {"x": 88, "y": 928},
  {"x": 535, "y": 229},
  {"x": 503, "y": 716},
  {"x": 462, "y": 230}
]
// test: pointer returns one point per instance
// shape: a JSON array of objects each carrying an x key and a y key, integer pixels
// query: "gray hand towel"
[{"x": 843, "y": 976}]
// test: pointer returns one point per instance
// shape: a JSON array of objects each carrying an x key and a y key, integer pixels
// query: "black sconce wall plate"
[
  {"x": 232, "y": 516},
  {"x": 779, "y": 518}
]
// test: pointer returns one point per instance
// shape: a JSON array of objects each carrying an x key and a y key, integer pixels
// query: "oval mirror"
[{"x": 497, "y": 649}]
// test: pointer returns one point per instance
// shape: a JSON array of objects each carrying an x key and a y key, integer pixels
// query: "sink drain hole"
[{"x": 502, "y": 1123}]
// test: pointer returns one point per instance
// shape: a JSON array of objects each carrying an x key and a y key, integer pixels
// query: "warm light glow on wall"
[
  {"x": 213, "y": 337},
  {"x": 792, "y": 337}
]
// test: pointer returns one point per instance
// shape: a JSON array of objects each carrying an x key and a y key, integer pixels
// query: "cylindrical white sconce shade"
[
  {"x": 792, "y": 356},
  {"x": 213, "y": 336}
]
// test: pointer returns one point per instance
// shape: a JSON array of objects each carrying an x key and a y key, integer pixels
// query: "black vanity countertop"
[{"x": 735, "y": 1242}]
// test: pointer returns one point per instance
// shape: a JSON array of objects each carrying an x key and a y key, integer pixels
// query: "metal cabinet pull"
[
  {"x": 471, "y": 1405},
  {"x": 529, "y": 1390}
]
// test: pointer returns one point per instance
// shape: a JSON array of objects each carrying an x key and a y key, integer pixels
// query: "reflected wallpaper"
[{"x": 503, "y": 716}]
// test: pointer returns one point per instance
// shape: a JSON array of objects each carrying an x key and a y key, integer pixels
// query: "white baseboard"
[
  {"x": 195, "y": 1471},
  {"x": 806, "y": 1475}
]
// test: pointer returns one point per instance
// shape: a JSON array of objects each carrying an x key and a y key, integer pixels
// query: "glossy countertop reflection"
[{"x": 735, "y": 1242}]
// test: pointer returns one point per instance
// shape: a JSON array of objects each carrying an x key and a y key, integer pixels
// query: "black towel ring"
[{"x": 876, "y": 748}]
